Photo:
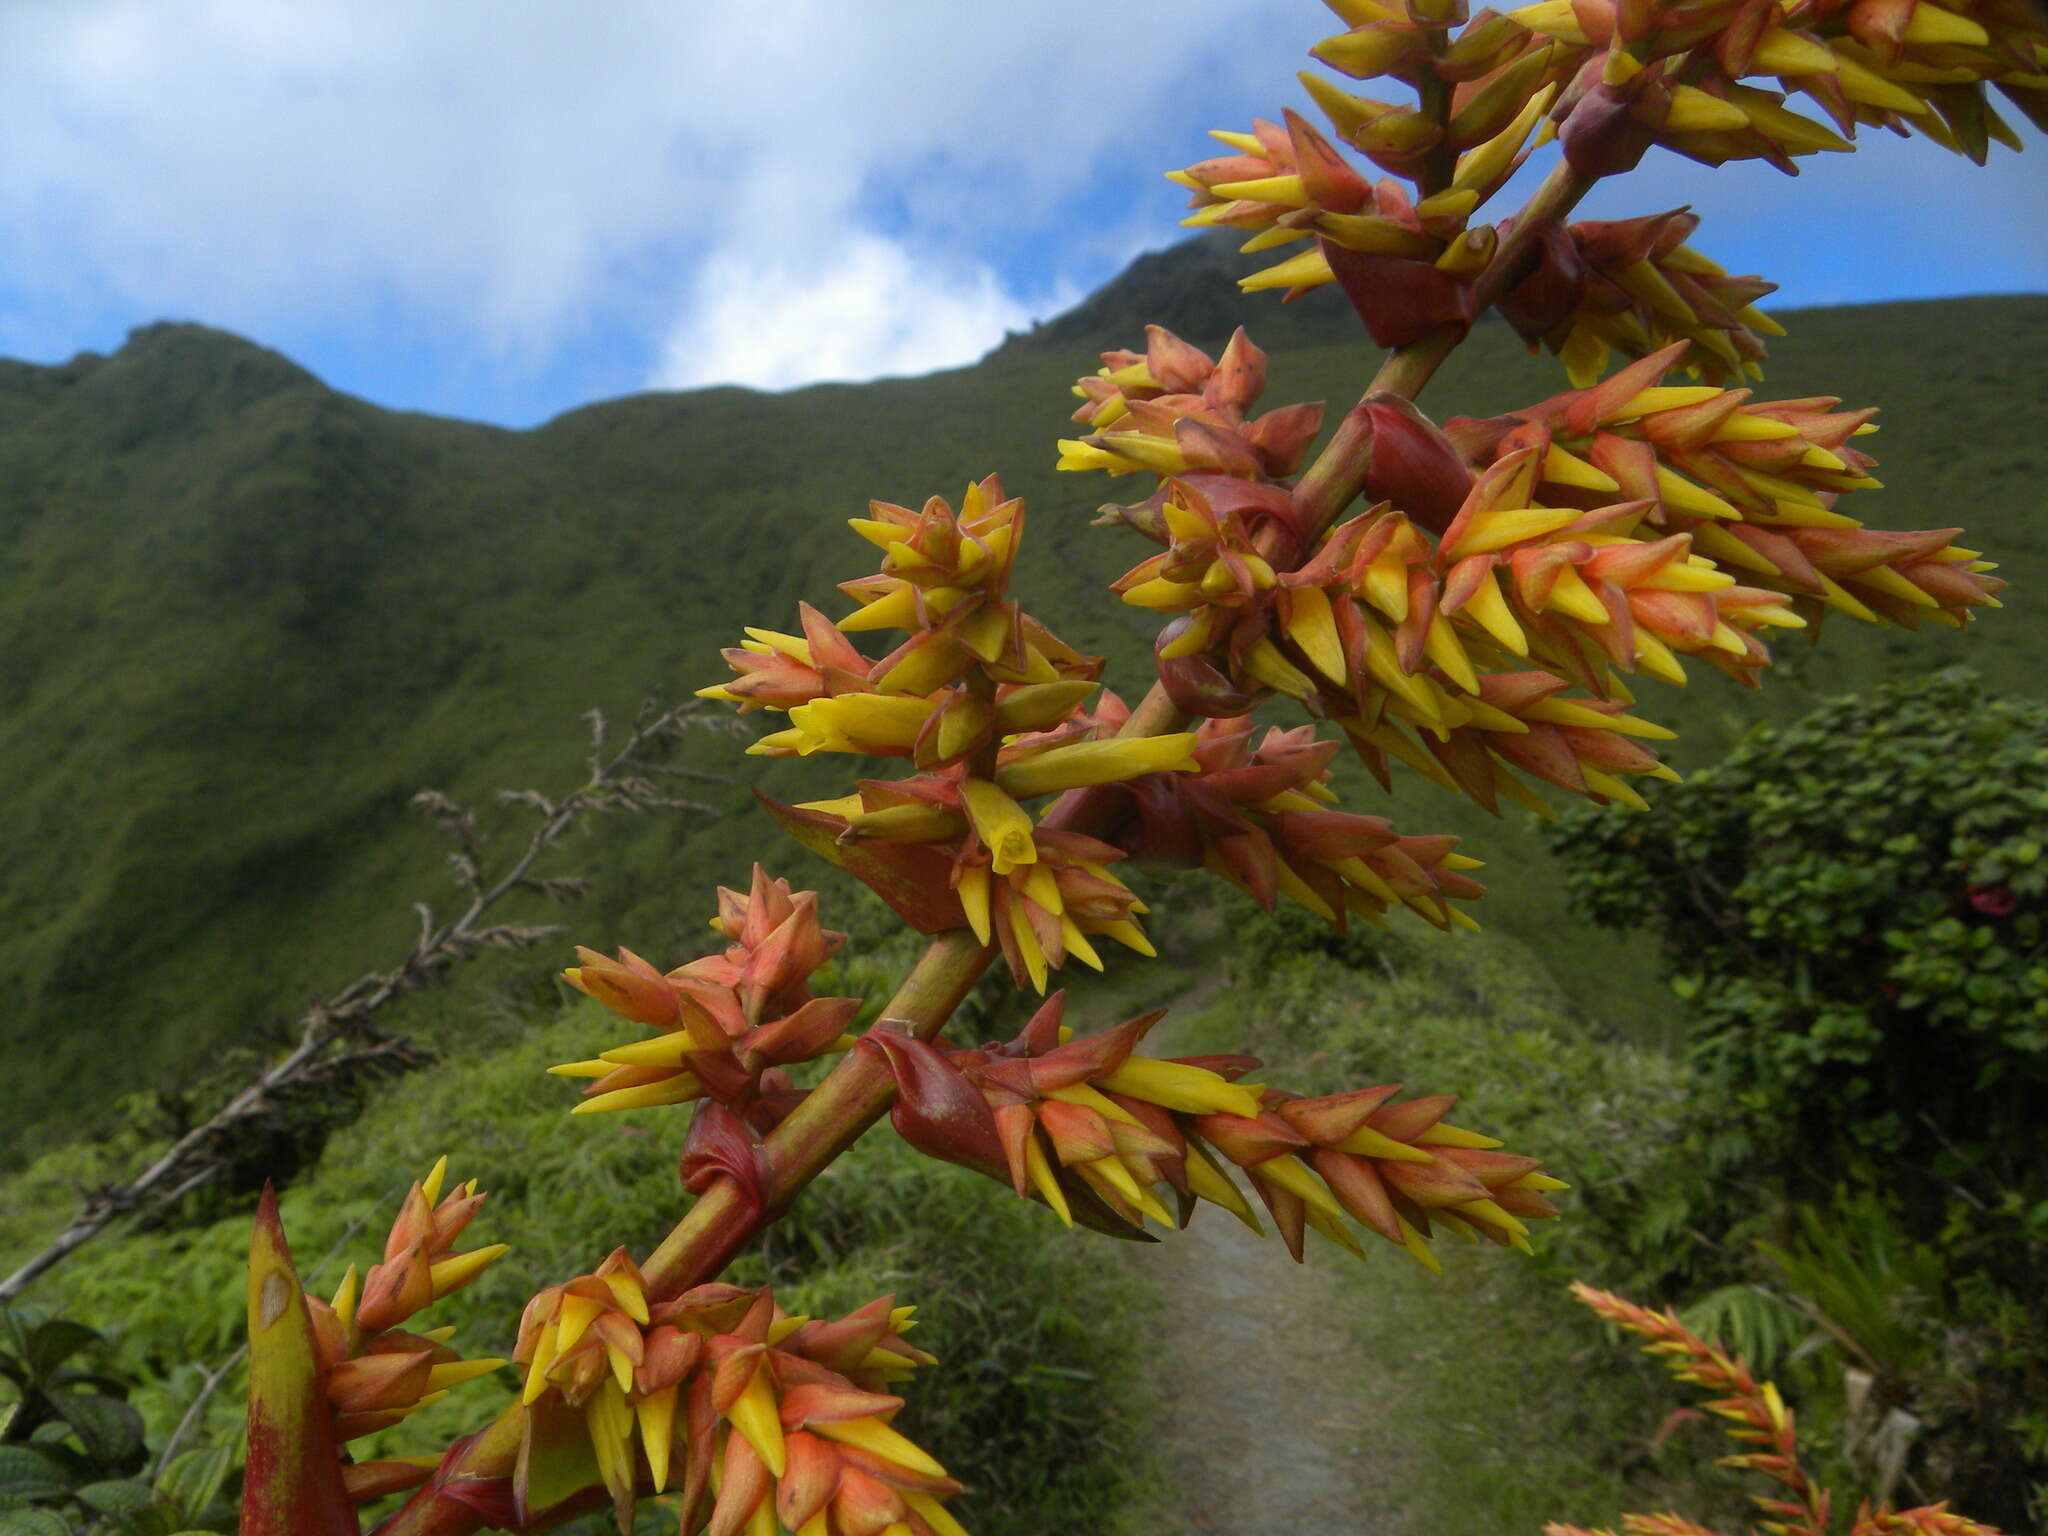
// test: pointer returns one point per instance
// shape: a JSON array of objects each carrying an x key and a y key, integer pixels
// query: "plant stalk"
[
  {"x": 858, "y": 1092},
  {"x": 853, "y": 1096}
]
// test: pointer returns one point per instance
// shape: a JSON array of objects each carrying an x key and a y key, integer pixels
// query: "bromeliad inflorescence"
[
  {"x": 1474, "y": 600},
  {"x": 1105, "y": 1135}
]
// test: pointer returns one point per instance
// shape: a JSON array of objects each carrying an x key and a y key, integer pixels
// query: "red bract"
[{"x": 726, "y": 1019}]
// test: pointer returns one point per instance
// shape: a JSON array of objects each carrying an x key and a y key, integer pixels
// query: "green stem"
[
  {"x": 1329, "y": 484},
  {"x": 1408, "y": 369},
  {"x": 830, "y": 1119},
  {"x": 1555, "y": 196},
  {"x": 1434, "y": 98}
]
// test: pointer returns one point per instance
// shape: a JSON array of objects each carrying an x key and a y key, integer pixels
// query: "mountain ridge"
[{"x": 245, "y": 616}]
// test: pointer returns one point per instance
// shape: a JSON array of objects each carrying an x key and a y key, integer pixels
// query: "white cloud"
[
  {"x": 498, "y": 184},
  {"x": 505, "y": 172},
  {"x": 866, "y": 308}
]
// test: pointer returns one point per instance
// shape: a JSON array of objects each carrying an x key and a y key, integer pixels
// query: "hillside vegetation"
[{"x": 245, "y": 617}]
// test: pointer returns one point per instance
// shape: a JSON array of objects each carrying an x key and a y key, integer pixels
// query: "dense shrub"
[{"x": 1853, "y": 908}]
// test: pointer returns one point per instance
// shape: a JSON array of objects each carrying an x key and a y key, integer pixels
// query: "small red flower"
[{"x": 1993, "y": 900}]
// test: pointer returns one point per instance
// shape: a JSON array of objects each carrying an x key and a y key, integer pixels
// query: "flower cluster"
[
  {"x": 1672, "y": 74},
  {"x": 1753, "y": 484},
  {"x": 1611, "y": 530},
  {"x": 1263, "y": 817},
  {"x": 760, "y": 1420},
  {"x": 1754, "y": 1415},
  {"x": 1173, "y": 409},
  {"x": 1479, "y": 617},
  {"x": 989, "y": 706},
  {"x": 944, "y": 580},
  {"x": 1040, "y": 893},
  {"x": 373, "y": 1372},
  {"x": 1610, "y": 79},
  {"x": 1633, "y": 287},
  {"x": 1101, "y": 1134},
  {"x": 1405, "y": 262},
  {"x": 729, "y": 1022}
]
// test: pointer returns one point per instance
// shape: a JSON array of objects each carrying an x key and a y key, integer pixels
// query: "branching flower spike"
[{"x": 1472, "y": 599}]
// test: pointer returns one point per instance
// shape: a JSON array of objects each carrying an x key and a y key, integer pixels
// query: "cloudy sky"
[{"x": 504, "y": 210}]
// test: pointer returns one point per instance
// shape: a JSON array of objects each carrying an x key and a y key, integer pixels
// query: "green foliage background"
[
  {"x": 246, "y": 617},
  {"x": 1852, "y": 906}
]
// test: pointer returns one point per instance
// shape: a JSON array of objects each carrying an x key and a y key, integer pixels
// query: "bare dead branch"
[{"x": 335, "y": 1041}]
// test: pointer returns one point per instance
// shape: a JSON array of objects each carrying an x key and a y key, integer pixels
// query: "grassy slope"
[
  {"x": 245, "y": 617},
  {"x": 1032, "y": 1333}
]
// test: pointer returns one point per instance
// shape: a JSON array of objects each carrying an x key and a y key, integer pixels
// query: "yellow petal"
[
  {"x": 1931, "y": 25},
  {"x": 657, "y": 1417},
  {"x": 1110, "y": 1174},
  {"x": 892, "y": 610},
  {"x": 1312, "y": 626},
  {"x": 1097, "y": 762},
  {"x": 544, "y": 1355},
  {"x": 344, "y": 1303},
  {"x": 667, "y": 1050},
  {"x": 1211, "y": 1183},
  {"x": 754, "y": 1414},
  {"x": 1040, "y": 1173},
  {"x": 1443, "y": 1135},
  {"x": 878, "y": 1439},
  {"x": 679, "y": 1089},
  {"x": 973, "y": 892},
  {"x": 1265, "y": 189},
  {"x": 1290, "y": 1173},
  {"x": 431, "y": 1185},
  {"x": 1367, "y": 1142},
  {"x": 1309, "y": 269},
  {"x": 455, "y": 1372},
  {"x": 1264, "y": 662},
  {"x": 931, "y": 1511},
  {"x": 1563, "y": 468},
  {"x": 1001, "y": 824},
  {"x": 1178, "y": 1086},
  {"x": 452, "y": 1274}
]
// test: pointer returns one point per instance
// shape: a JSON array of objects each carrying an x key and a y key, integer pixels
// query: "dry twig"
[{"x": 335, "y": 1037}]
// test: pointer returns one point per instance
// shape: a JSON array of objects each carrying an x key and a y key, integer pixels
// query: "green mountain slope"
[{"x": 243, "y": 617}]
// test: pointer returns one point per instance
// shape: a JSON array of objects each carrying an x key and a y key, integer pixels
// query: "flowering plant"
[{"x": 1473, "y": 600}]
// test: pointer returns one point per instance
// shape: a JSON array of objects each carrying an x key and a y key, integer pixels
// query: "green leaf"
[
  {"x": 34, "y": 1522},
  {"x": 109, "y": 1429},
  {"x": 193, "y": 1479},
  {"x": 162, "y": 1520},
  {"x": 25, "y": 1473},
  {"x": 15, "y": 1326},
  {"x": 117, "y": 1496},
  {"x": 55, "y": 1342}
]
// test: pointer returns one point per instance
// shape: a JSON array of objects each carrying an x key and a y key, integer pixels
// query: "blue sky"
[{"x": 502, "y": 211}]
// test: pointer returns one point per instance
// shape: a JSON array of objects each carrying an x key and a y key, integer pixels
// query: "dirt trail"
[{"x": 1263, "y": 1428}]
